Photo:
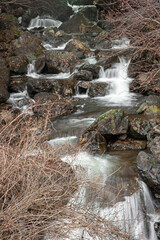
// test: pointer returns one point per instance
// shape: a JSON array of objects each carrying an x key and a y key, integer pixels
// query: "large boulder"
[
  {"x": 57, "y": 61},
  {"x": 63, "y": 87},
  {"x": 52, "y": 105},
  {"x": 4, "y": 81},
  {"x": 110, "y": 125},
  {"x": 18, "y": 64}
]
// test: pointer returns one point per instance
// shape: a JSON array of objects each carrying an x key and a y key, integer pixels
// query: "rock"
[
  {"x": 155, "y": 147},
  {"x": 57, "y": 61},
  {"x": 110, "y": 125},
  {"x": 94, "y": 69},
  {"x": 4, "y": 81},
  {"x": 35, "y": 86},
  {"x": 97, "y": 89},
  {"x": 18, "y": 64},
  {"x": 149, "y": 109},
  {"x": 47, "y": 104},
  {"x": 129, "y": 144},
  {"x": 113, "y": 123},
  {"x": 27, "y": 45},
  {"x": 73, "y": 24},
  {"x": 83, "y": 87},
  {"x": 155, "y": 132},
  {"x": 18, "y": 83},
  {"x": 64, "y": 87},
  {"x": 93, "y": 142},
  {"x": 139, "y": 128},
  {"x": 82, "y": 75},
  {"x": 143, "y": 61},
  {"x": 149, "y": 170},
  {"x": 77, "y": 46}
]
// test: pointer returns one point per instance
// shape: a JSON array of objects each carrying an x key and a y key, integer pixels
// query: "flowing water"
[
  {"x": 43, "y": 22},
  {"x": 113, "y": 191}
]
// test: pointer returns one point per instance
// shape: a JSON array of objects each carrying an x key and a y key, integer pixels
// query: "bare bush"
[{"x": 36, "y": 188}]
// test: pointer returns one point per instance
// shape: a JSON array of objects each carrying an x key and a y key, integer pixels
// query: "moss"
[{"x": 110, "y": 112}]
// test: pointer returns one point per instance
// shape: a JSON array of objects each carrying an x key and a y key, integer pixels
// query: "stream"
[{"x": 114, "y": 191}]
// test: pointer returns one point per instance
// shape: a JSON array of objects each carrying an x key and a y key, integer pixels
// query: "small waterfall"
[
  {"x": 81, "y": 92},
  {"x": 117, "y": 92},
  {"x": 31, "y": 72},
  {"x": 43, "y": 22},
  {"x": 150, "y": 211},
  {"x": 21, "y": 101}
]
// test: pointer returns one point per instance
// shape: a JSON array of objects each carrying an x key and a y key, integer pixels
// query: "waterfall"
[
  {"x": 81, "y": 92},
  {"x": 116, "y": 77},
  {"x": 31, "y": 72},
  {"x": 43, "y": 22}
]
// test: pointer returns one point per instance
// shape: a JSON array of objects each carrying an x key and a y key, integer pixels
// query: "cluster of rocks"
[{"x": 114, "y": 131}]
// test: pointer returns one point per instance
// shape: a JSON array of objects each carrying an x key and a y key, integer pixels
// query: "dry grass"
[{"x": 36, "y": 186}]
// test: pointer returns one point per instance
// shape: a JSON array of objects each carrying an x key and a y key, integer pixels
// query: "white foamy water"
[
  {"x": 77, "y": 8},
  {"x": 31, "y": 72},
  {"x": 63, "y": 140},
  {"x": 20, "y": 100},
  {"x": 117, "y": 92},
  {"x": 120, "y": 44},
  {"x": 91, "y": 60},
  {"x": 48, "y": 46},
  {"x": 43, "y": 22},
  {"x": 128, "y": 215}
]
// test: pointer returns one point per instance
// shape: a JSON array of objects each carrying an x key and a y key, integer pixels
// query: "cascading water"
[
  {"x": 48, "y": 46},
  {"x": 117, "y": 92},
  {"x": 43, "y": 22}
]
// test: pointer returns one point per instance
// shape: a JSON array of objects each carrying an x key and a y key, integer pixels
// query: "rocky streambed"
[{"x": 90, "y": 89}]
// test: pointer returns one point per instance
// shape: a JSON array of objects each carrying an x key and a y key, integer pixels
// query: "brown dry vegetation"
[{"x": 36, "y": 186}]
